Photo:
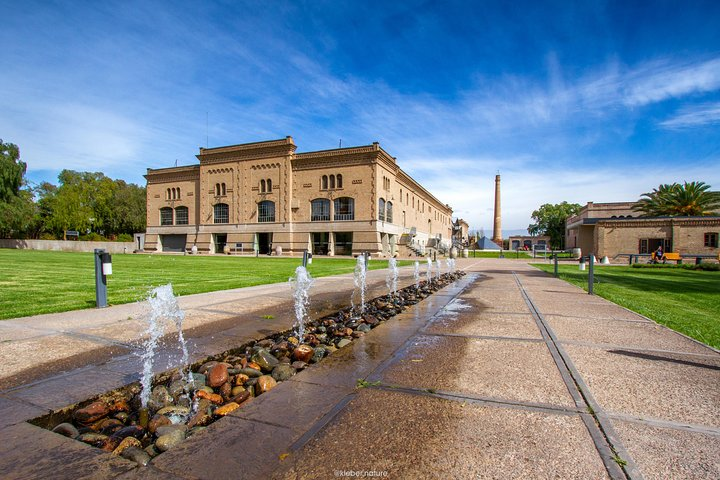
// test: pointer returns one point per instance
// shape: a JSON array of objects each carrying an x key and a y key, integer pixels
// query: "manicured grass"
[
  {"x": 35, "y": 282},
  {"x": 685, "y": 300}
]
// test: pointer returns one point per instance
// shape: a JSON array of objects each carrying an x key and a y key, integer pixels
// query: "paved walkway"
[{"x": 508, "y": 373}]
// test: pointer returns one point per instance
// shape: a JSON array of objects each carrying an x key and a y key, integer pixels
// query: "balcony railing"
[{"x": 344, "y": 216}]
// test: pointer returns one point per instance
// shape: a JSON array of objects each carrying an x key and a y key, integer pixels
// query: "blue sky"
[{"x": 577, "y": 101}]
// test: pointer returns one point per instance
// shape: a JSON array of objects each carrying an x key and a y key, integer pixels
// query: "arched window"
[
  {"x": 269, "y": 185},
  {"x": 222, "y": 189},
  {"x": 332, "y": 181},
  {"x": 221, "y": 213},
  {"x": 320, "y": 210},
  {"x": 339, "y": 180},
  {"x": 178, "y": 192},
  {"x": 217, "y": 189},
  {"x": 166, "y": 216},
  {"x": 344, "y": 208},
  {"x": 167, "y": 194},
  {"x": 388, "y": 212},
  {"x": 262, "y": 186},
  {"x": 324, "y": 182},
  {"x": 181, "y": 216},
  {"x": 381, "y": 210},
  {"x": 266, "y": 211}
]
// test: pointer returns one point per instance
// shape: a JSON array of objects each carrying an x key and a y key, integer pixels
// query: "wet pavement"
[{"x": 507, "y": 373}]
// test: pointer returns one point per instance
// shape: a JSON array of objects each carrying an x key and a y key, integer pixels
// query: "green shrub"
[
  {"x": 124, "y": 237},
  {"x": 93, "y": 237},
  {"x": 706, "y": 267}
]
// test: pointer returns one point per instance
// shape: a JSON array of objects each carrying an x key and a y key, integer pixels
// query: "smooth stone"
[
  {"x": 227, "y": 408},
  {"x": 169, "y": 440},
  {"x": 199, "y": 380},
  {"x": 177, "y": 388},
  {"x": 264, "y": 384},
  {"x": 213, "y": 397},
  {"x": 254, "y": 366},
  {"x": 218, "y": 375},
  {"x": 371, "y": 320},
  {"x": 364, "y": 328},
  {"x": 237, "y": 390},
  {"x": 127, "y": 443},
  {"x": 282, "y": 372},
  {"x": 205, "y": 367},
  {"x": 122, "y": 416},
  {"x": 158, "y": 421},
  {"x": 318, "y": 355},
  {"x": 152, "y": 450},
  {"x": 205, "y": 389},
  {"x": 225, "y": 390},
  {"x": 293, "y": 340},
  {"x": 330, "y": 349},
  {"x": 343, "y": 343},
  {"x": 108, "y": 425},
  {"x": 136, "y": 455},
  {"x": 251, "y": 372},
  {"x": 303, "y": 353},
  {"x": 66, "y": 429},
  {"x": 195, "y": 430},
  {"x": 94, "y": 439},
  {"x": 298, "y": 365},
  {"x": 357, "y": 334},
  {"x": 242, "y": 397},
  {"x": 91, "y": 413},
  {"x": 173, "y": 410},
  {"x": 241, "y": 378},
  {"x": 159, "y": 398},
  {"x": 165, "y": 429}
]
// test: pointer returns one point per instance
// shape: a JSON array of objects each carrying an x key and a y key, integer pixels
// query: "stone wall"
[{"x": 67, "y": 245}]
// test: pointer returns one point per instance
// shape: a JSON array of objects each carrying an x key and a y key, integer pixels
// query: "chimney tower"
[{"x": 497, "y": 229}]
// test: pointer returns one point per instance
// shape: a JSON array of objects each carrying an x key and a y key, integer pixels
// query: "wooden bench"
[{"x": 675, "y": 256}]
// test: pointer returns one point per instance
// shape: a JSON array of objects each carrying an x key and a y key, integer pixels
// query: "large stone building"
[
  {"x": 264, "y": 195},
  {"x": 611, "y": 229}
]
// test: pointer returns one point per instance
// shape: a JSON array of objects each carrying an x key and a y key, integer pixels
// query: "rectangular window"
[
  {"x": 166, "y": 216},
  {"x": 711, "y": 240},
  {"x": 181, "y": 216}
]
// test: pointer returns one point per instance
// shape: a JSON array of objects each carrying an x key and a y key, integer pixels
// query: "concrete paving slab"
[
  {"x": 66, "y": 390},
  {"x": 464, "y": 319},
  {"x": 294, "y": 405},
  {"x": 427, "y": 437},
  {"x": 662, "y": 453},
  {"x": 639, "y": 335},
  {"x": 664, "y": 386},
  {"x": 509, "y": 370},
  {"x": 11, "y": 332},
  {"x": 231, "y": 448},
  {"x": 14, "y": 412},
  {"x": 32, "y": 452}
]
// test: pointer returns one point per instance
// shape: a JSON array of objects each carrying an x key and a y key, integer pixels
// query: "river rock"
[
  {"x": 159, "y": 398},
  {"x": 242, "y": 397},
  {"x": 250, "y": 372},
  {"x": 303, "y": 353},
  {"x": 298, "y": 365},
  {"x": 265, "y": 360},
  {"x": 94, "y": 439},
  {"x": 122, "y": 416},
  {"x": 136, "y": 455},
  {"x": 91, "y": 413},
  {"x": 293, "y": 340},
  {"x": 343, "y": 342},
  {"x": 213, "y": 397},
  {"x": 158, "y": 421},
  {"x": 282, "y": 372},
  {"x": 66, "y": 429},
  {"x": 199, "y": 380},
  {"x": 174, "y": 410},
  {"x": 364, "y": 328},
  {"x": 264, "y": 384},
  {"x": 169, "y": 440},
  {"x": 227, "y": 408},
  {"x": 237, "y": 390},
  {"x": 127, "y": 443},
  {"x": 318, "y": 355},
  {"x": 371, "y": 320},
  {"x": 225, "y": 390},
  {"x": 108, "y": 426},
  {"x": 202, "y": 417},
  {"x": 218, "y": 375},
  {"x": 205, "y": 367},
  {"x": 165, "y": 429}
]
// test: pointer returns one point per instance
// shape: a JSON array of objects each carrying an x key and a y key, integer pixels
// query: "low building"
[
  {"x": 460, "y": 232},
  {"x": 612, "y": 229},
  {"x": 528, "y": 242},
  {"x": 256, "y": 197}
]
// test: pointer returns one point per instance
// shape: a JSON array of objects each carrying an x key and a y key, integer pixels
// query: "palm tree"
[{"x": 675, "y": 200}]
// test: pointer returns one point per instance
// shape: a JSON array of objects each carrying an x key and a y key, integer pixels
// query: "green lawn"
[
  {"x": 685, "y": 300},
  {"x": 34, "y": 282}
]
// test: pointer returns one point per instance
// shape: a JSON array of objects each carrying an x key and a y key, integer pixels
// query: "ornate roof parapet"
[
  {"x": 172, "y": 174},
  {"x": 713, "y": 221},
  {"x": 247, "y": 151}
]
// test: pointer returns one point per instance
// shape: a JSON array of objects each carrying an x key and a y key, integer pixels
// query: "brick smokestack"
[{"x": 497, "y": 228}]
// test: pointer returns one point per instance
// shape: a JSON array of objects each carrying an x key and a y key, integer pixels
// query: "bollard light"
[
  {"x": 582, "y": 263},
  {"x": 309, "y": 260},
  {"x": 106, "y": 264}
]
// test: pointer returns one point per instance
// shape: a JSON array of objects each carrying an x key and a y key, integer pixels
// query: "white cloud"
[
  {"x": 658, "y": 81},
  {"x": 694, "y": 116}
]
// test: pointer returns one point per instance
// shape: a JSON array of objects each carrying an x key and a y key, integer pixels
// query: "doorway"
[
  {"x": 320, "y": 243},
  {"x": 343, "y": 243},
  {"x": 265, "y": 243},
  {"x": 220, "y": 241}
]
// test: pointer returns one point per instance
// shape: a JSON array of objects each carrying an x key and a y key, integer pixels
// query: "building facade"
[
  {"x": 256, "y": 197},
  {"x": 612, "y": 229}
]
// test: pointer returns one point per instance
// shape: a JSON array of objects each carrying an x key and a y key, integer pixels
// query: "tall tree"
[
  {"x": 17, "y": 210},
  {"x": 550, "y": 220},
  {"x": 673, "y": 200}
]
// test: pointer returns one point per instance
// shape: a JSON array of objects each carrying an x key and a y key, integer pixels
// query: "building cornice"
[
  {"x": 660, "y": 222},
  {"x": 172, "y": 174}
]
